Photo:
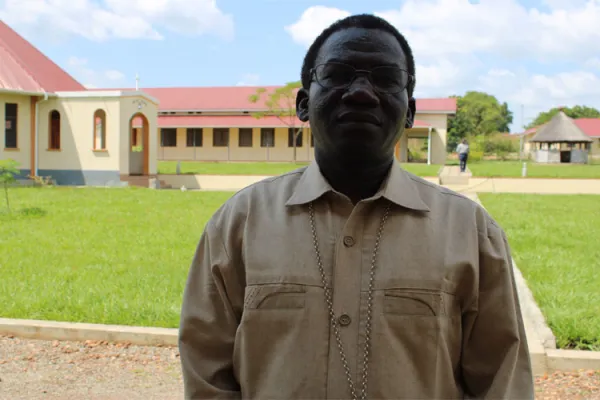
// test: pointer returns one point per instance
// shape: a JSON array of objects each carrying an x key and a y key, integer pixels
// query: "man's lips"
[{"x": 358, "y": 117}]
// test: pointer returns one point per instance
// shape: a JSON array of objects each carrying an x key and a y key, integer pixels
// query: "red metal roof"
[
  {"x": 236, "y": 98},
  {"x": 225, "y": 121},
  {"x": 231, "y": 121},
  {"x": 421, "y": 124},
  {"x": 589, "y": 126},
  {"x": 442, "y": 105},
  {"x": 25, "y": 68}
]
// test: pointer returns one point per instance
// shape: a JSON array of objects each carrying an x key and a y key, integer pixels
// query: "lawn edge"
[
  {"x": 541, "y": 342},
  {"x": 543, "y": 360},
  {"x": 77, "y": 331}
]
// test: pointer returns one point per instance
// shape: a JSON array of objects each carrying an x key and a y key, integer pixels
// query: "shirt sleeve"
[
  {"x": 210, "y": 314},
  {"x": 496, "y": 362}
]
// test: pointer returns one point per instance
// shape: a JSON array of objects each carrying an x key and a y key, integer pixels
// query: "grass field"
[
  {"x": 506, "y": 169},
  {"x": 121, "y": 256},
  {"x": 114, "y": 256},
  {"x": 262, "y": 168},
  {"x": 554, "y": 240},
  {"x": 512, "y": 169}
]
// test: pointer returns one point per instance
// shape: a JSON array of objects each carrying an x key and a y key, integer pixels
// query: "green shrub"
[
  {"x": 475, "y": 155},
  {"x": 8, "y": 175}
]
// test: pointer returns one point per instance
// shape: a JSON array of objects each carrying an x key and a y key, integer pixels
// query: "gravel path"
[{"x": 34, "y": 369}]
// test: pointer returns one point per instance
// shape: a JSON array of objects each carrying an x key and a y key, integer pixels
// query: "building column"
[
  {"x": 403, "y": 156},
  {"x": 429, "y": 147}
]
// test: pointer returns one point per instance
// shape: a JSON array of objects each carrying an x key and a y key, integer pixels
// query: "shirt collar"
[{"x": 398, "y": 187}]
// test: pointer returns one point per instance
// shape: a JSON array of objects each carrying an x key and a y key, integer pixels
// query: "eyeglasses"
[{"x": 385, "y": 79}]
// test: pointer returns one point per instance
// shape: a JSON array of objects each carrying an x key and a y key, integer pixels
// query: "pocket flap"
[
  {"x": 275, "y": 296},
  {"x": 412, "y": 302}
]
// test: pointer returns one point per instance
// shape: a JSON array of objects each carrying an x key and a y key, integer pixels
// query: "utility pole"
[{"x": 522, "y": 133}]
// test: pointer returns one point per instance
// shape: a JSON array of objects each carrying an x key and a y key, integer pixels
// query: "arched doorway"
[{"x": 139, "y": 133}]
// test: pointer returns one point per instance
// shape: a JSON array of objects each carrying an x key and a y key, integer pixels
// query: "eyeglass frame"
[{"x": 357, "y": 72}]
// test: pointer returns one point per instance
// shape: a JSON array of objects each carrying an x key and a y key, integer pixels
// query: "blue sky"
[{"x": 535, "y": 53}]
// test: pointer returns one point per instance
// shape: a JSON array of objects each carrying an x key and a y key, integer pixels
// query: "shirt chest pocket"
[
  {"x": 275, "y": 297},
  {"x": 421, "y": 300},
  {"x": 413, "y": 302}
]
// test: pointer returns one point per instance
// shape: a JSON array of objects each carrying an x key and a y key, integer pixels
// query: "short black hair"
[{"x": 364, "y": 21}]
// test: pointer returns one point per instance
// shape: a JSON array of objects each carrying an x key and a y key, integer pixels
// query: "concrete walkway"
[
  {"x": 527, "y": 185},
  {"x": 475, "y": 185}
]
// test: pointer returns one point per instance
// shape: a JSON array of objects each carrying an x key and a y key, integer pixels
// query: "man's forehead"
[{"x": 362, "y": 45}]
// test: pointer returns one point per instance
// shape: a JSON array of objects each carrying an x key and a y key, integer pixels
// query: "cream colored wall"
[
  {"x": 207, "y": 152},
  {"x": 77, "y": 135},
  {"x": 439, "y": 134},
  {"x": 281, "y": 151},
  {"x": 24, "y": 112},
  {"x": 595, "y": 151},
  {"x": 128, "y": 108}
]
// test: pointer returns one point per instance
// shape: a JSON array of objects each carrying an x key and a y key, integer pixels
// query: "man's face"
[{"x": 368, "y": 116}]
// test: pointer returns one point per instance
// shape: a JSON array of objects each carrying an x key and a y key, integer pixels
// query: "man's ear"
[
  {"x": 410, "y": 113},
  {"x": 302, "y": 105}
]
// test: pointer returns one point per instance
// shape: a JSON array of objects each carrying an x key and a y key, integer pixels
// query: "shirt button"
[
  {"x": 344, "y": 320},
  {"x": 348, "y": 241}
]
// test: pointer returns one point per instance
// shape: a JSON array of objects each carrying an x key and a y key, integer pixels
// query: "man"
[
  {"x": 352, "y": 278},
  {"x": 463, "y": 154}
]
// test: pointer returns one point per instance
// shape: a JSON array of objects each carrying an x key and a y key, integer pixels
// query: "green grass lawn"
[
  {"x": 512, "y": 169},
  {"x": 504, "y": 169},
  {"x": 262, "y": 168},
  {"x": 114, "y": 256},
  {"x": 121, "y": 256},
  {"x": 228, "y": 168},
  {"x": 554, "y": 239}
]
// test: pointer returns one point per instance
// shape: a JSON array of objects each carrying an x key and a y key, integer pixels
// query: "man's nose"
[{"x": 361, "y": 92}]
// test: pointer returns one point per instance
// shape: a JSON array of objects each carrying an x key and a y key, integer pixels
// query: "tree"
[
  {"x": 574, "y": 112},
  {"x": 477, "y": 114},
  {"x": 8, "y": 173},
  {"x": 280, "y": 103}
]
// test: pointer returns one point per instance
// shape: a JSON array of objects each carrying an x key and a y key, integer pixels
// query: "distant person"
[
  {"x": 347, "y": 279},
  {"x": 463, "y": 154}
]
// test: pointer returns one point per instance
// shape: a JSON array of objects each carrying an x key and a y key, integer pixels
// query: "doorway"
[{"x": 139, "y": 132}]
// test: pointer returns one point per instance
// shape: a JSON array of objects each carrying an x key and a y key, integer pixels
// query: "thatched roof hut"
[
  {"x": 561, "y": 141},
  {"x": 560, "y": 129}
]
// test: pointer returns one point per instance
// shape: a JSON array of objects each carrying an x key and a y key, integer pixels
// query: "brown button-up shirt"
[{"x": 445, "y": 321}]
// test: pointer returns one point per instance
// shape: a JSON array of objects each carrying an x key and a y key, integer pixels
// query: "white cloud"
[
  {"x": 593, "y": 63},
  {"x": 92, "y": 78},
  {"x": 131, "y": 19},
  {"x": 538, "y": 92},
  {"x": 504, "y": 28},
  {"x": 498, "y": 46},
  {"x": 312, "y": 22},
  {"x": 249, "y": 80}
]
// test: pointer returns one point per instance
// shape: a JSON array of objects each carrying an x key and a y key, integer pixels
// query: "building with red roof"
[
  {"x": 588, "y": 126},
  {"x": 54, "y": 126}
]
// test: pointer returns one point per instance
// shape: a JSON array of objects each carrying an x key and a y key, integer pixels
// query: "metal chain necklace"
[{"x": 329, "y": 301}]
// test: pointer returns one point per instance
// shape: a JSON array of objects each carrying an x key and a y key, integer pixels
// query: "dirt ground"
[{"x": 34, "y": 369}]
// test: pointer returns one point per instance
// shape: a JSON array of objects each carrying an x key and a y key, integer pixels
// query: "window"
[
  {"x": 194, "y": 137},
  {"x": 134, "y": 137},
  {"x": 245, "y": 139},
  {"x": 221, "y": 137},
  {"x": 267, "y": 137},
  {"x": 312, "y": 140},
  {"x": 54, "y": 136},
  {"x": 168, "y": 137},
  {"x": 10, "y": 125},
  {"x": 100, "y": 130},
  {"x": 291, "y": 133}
]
